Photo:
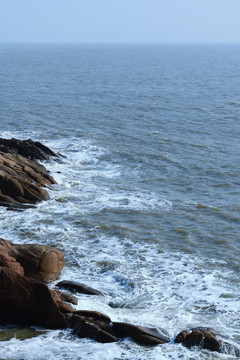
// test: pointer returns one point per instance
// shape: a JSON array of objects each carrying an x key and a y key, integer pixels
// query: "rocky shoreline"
[{"x": 25, "y": 270}]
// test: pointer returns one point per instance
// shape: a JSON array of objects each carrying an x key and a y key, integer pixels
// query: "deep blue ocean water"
[{"x": 147, "y": 203}]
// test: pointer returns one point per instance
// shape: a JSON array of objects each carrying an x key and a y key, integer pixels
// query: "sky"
[{"x": 119, "y": 21}]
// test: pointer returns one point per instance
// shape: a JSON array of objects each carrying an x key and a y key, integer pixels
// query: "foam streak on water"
[{"x": 146, "y": 206}]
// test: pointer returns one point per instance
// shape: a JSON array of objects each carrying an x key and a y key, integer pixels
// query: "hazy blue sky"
[{"x": 114, "y": 21}]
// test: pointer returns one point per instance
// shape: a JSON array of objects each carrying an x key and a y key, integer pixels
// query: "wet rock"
[
  {"x": 27, "y": 148},
  {"x": 94, "y": 316},
  {"x": 40, "y": 262},
  {"x": 182, "y": 337},
  {"x": 207, "y": 338},
  {"x": 22, "y": 178},
  {"x": 230, "y": 349},
  {"x": 194, "y": 338},
  {"x": 75, "y": 286},
  {"x": 68, "y": 297},
  {"x": 142, "y": 335},
  {"x": 210, "y": 342},
  {"x": 28, "y": 302},
  {"x": 85, "y": 327}
]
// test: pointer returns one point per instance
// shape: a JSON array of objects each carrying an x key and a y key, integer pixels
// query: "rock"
[
  {"x": 142, "y": 335},
  {"x": 28, "y": 302},
  {"x": 27, "y": 148},
  {"x": 99, "y": 327},
  {"x": 207, "y": 338},
  {"x": 75, "y": 286},
  {"x": 40, "y": 262},
  {"x": 22, "y": 179},
  {"x": 82, "y": 327},
  {"x": 68, "y": 297},
  {"x": 182, "y": 336},
  {"x": 11, "y": 263}
]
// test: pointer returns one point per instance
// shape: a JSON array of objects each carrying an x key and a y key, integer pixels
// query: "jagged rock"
[
  {"x": 98, "y": 323},
  {"x": 22, "y": 179},
  {"x": 207, "y": 338},
  {"x": 27, "y": 148},
  {"x": 28, "y": 302},
  {"x": 40, "y": 262},
  {"x": 75, "y": 286},
  {"x": 91, "y": 327}
]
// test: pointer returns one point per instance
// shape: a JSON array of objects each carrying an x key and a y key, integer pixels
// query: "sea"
[{"x": 147, "y": 203}]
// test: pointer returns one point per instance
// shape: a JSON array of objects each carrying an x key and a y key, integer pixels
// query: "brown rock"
[
  {"x": 11, "y": 263},
  {"x": 40, "y": 262},
  {"x": 211, "y": 342},
  {"x": 194, "y": 338},
  {"x": 181, "y": 337},
  {"x": 68, "y": 297},
  {"x": 82, "y": 327},
  {"x": 143, "y": 335},
  {"x": 75, "y": 286},
  {"x": 21, "y": 178},
  {"x": 28, "y": 302}
]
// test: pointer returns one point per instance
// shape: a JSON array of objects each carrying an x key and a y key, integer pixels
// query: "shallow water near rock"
[{"x": 146, "y": 208}]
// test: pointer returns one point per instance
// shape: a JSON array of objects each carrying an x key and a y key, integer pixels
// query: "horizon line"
[{"x": 120, "y": 43}]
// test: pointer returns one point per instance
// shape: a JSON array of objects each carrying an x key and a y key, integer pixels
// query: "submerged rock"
[
  {"x": 75, "y": 286},
  {"x": 207, "y": 338}
]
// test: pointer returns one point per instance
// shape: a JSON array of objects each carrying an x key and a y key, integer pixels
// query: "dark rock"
[
  {"x": 181, "y": 337},
  {"x": 22, "y": 179},
  {"x": 194, "y": 338},
  {"x": 40, "y": 262},
  {"x": 75, "y": 286},
  {"x": 208, "y": 339},
  {"x": 28, "y": 302},
  {"x": 82, "y": 327},
  {"x": 68, "y": 297},
  {"x": 27, "y": 148},
  {"x": 210, "y": 342},
  {"x": 93, "y": 316},
  {"x": 143, "y": 335},
  {"x": 230, "y": 349}
]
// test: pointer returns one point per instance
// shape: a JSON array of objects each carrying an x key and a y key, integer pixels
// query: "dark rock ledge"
[
  {"x": 23, "y": 180},
  {"x": 26, "y": 300}
]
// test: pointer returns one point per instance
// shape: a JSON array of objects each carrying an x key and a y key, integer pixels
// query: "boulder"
[
  {"x": 25, "y": 301},
  {"x": 40, "y": 262},
  {"x": 207, "y": 338}
]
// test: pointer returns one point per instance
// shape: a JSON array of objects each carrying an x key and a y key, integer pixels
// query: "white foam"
[{"x": 143, "y": 284}]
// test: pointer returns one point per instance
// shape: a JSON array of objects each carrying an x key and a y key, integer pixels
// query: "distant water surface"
[{"x": 147, "y": 203}]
